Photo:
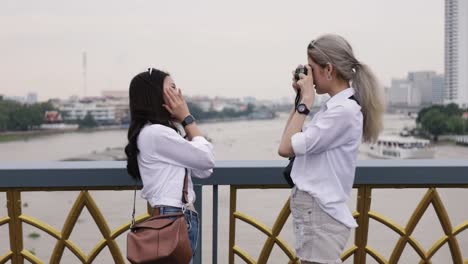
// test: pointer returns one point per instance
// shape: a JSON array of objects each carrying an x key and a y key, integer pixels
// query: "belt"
[{"x": 157, "y": 212}]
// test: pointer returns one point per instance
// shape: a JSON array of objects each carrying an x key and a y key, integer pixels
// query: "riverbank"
[{"x": 27, "y": 135}]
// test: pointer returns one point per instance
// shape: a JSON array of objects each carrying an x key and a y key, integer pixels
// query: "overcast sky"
[{"x": 216, "y": 48}]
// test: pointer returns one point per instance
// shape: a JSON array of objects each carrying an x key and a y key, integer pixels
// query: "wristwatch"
[
  {"x": 188, "y": 120},
  {"x": 302, "y": 109}
]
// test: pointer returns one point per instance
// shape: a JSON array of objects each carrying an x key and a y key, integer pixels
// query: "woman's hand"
[
  {"x": 175, "y": 104},
  {"x": 295, "y": 86},
  {"x": 306, "y": 85}
]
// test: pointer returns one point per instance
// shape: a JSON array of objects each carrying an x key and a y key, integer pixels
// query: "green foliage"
[
  {"x": 15, "y": 116},
  {"x": 87, "y": 122},
  {"x": 455, "y": 125},
  {"x": 434, "y": 121},
  {"x": 440, "y": 120}
]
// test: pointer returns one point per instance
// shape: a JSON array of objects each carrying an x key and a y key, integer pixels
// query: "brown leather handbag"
[{"x": 160, "y": 239}]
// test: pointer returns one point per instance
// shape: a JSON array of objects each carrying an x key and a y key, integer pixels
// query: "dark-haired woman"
[{"x": 156, "y": 151}]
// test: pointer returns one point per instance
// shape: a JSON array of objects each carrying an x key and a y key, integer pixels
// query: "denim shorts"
[{"x": 192, "y": 223}]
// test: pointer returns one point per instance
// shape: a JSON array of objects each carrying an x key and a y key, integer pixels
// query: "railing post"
[
  {"x": 232, "y": 222},
  {"x": 15, "y": 226},
  {"x": 215, "y": 225},
  {"x": 363, "y": 207},
  {"x": 198, "y": 206}
]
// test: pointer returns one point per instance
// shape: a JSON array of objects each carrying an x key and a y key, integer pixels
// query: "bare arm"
[
  {"x": 192, "y": 131},
  {"x": 296, "y": 120},
  {"x": 294, "y": 126},
  {"x": 291, "y": 113}
]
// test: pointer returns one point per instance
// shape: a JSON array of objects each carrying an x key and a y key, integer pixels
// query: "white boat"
[{"x": 394, "y": 147}]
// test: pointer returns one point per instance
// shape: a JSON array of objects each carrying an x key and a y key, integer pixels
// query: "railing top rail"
[{"x": 113, "y": 175}]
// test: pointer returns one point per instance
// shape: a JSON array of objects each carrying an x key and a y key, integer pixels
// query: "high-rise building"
[
  {"x": 456, "y": 52},
  {"x": 438, "y": 89},
  {"x": 421, "y": 88},
  {"x": 422, "y": 82},
  {"x": 399, "y": 94}
]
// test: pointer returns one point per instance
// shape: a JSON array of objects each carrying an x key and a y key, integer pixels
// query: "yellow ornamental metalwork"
[
  {"x": 273, "y": 234},
  {"x": 431, "y": 197},
  {"x": 363, "y": 214},
  {"x": 15, "y": 227},
  {"x": 84, "y": 200},
  {"x": 359, "y": 251},
  {"x": 6, "y": 257}
]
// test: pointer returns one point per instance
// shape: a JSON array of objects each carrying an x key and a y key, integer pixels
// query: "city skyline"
[{"x": 218, "y": 49}]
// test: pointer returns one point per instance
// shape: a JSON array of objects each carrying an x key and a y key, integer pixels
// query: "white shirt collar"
[{"x": 340, "y": 97}]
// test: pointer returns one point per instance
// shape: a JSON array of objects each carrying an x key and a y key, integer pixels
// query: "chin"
[{"x": 317, "y": 91}]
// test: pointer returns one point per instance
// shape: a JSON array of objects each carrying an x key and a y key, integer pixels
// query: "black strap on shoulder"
[{"x": 354, "y": 99}]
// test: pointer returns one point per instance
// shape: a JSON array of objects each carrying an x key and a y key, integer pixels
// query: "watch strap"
[
  {"x": 188, "y": 120},
  {"x": 305, "y": 110}
]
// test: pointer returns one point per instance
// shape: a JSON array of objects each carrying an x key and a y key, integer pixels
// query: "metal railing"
[{"x": 16, "y": 178}]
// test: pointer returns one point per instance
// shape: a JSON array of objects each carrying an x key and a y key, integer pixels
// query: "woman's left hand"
[{"x": 175, "y": 104}]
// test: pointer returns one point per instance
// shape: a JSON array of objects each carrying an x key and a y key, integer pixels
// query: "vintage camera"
[{"x": 300, "y": 69}]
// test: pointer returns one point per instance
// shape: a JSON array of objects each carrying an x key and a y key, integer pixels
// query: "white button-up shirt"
[
  {"x": 163, "y": 157},
  {"x": 326, "y": 152}
]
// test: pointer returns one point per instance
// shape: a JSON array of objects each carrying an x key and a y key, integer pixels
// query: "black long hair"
[{"x": 146, "y": 100}]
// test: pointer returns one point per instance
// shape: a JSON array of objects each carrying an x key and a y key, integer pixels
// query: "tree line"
[
  {"x": 439, "y": 120},
  {"x": 15, "y": 116},
  {"x": 198, "y": 113}
]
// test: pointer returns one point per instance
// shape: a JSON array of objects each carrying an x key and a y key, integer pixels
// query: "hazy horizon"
[{"x": 214, "y": 48}]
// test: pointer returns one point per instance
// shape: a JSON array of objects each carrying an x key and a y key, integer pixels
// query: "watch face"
[
  {"x": 301, "y": 108},
  {"x": 189, "y": 119}
]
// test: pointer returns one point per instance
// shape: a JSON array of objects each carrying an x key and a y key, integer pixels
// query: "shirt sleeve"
[
  {"x": 334, "y": 127},
  {"x": 202, "y": 174},
  {"x": 172, "y": 148}
]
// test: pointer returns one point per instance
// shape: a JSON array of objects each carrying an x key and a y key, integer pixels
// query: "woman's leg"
[{"x": 193, "y": 230}]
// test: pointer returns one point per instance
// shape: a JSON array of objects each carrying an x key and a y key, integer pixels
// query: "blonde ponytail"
[{"x": 369, "y": 94}]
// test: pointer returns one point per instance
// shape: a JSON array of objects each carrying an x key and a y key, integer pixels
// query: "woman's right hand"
[
  {"x": 306, "y": 85},
  {"x": 294, "y": 82},
  {"x": 175, "y": 104}
]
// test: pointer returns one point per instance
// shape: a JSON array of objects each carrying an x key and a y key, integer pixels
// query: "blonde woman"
[{"x": 326, "y": 148}]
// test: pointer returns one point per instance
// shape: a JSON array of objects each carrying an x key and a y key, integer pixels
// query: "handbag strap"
[{"x": 185, "y": 199}]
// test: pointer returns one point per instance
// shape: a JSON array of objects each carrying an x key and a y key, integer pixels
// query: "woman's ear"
[
  {"x": 329, "y": 71},
  {"x": 329, "y": 68}
]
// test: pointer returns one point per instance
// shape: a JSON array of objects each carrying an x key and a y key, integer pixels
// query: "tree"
[
  {"x": 452, "y": 110},
  {"x": 434, "y": 122},
  {"x": 424, "y": 111},
  {"x": 87, "y": 122},
  {"x": 455, "y": 125},
  {"x": 15, "y": 116},
  {"x": 250, "y": 108}
]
